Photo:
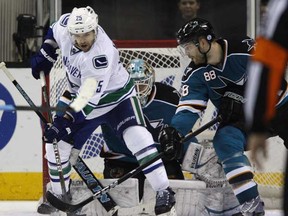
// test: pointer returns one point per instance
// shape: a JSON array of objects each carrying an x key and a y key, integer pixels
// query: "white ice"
[{"x": 28, "y": 208}]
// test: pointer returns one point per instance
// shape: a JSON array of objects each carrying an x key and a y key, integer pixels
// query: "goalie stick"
[
  {"x": 106, "y": 201},
  {"x": 69, "y": 207}
]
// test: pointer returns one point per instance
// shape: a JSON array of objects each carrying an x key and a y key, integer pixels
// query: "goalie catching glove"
[{"x": 169, "y": 139}]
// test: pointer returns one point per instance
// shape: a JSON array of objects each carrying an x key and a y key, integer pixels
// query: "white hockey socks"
[
  {"x": 141, "y": 144},
  {"x": 64, "y": 151}
]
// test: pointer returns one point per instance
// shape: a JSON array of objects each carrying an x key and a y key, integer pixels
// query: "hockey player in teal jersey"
[
  {"x": 217, "y": 72},
  {"x": 159, "y": 102}
]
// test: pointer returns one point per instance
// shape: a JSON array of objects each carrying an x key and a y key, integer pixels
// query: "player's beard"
[
  {"x": 85, "y": 47},
  {"x": 199, "y": 59}
]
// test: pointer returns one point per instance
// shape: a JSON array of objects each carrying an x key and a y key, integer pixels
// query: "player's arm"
[
  {"x": 191, "y": 104},
  {"x": 44, "y": 59}
]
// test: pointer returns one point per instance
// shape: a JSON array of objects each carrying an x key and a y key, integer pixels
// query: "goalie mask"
[
  {"x": 82, "y": 20},
  {"x": 143, "y": 76},
  {"x": 193, "y": 29}
]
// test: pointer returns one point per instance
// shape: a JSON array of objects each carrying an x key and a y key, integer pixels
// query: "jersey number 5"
[{"x": 211, "y": 75}]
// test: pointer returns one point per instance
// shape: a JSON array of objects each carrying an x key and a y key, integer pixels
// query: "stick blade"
[
  {"x": 59, "y": 203},
  {"x": 64, "y": 206}
]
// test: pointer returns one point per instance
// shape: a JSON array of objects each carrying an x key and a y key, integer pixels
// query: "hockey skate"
[
  {"x": 165, "y": 203},
  {"x": 254, "y": 207},
  {"x": 46, "y": 208}
]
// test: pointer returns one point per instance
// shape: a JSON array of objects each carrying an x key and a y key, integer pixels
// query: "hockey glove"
[
  {"x": 77, "y": 117},
  {"x": 169, "y": 139},
  {"x": 57, "y": 130},
  {"x": 43, "y": 60},
  {"x": 231, "y": 108}
]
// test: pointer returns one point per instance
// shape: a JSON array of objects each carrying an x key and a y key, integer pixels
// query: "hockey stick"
[
  {"x": 20, "y": 89},
  {"x": 107, "y": 202},
  {"x": 55, "y": 145},
  {"x": 68, "y": 207},
  {"x": 9, "y": 107},
  {"x": 45, "y": 95},
  {"x": 82, "y": 169},
  {"x": 87, "y": 90}
]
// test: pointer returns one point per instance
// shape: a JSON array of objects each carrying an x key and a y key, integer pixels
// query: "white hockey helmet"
[
  {"x": 143, "y": 76},
  {"x": 82, "y": 20}
]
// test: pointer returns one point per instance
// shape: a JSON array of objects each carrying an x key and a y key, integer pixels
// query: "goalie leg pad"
[{"x": 202, "y": 161}]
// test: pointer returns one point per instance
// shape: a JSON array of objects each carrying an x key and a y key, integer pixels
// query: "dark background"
[{"x": 160, "y": 19}]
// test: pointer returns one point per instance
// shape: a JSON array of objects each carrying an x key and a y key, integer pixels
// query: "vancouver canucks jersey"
[
  {"x": 158, "y": 112},
  {"x": 101, "y": 62},
  {"x": 204, "y": 82}
]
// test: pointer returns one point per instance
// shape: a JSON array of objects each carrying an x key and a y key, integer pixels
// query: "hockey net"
[{"x": 169, "y": 65}]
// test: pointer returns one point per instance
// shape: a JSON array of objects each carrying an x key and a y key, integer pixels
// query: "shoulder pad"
[
  {"x": 167, "y": 93},
  {"x": 241, "y": 45}
]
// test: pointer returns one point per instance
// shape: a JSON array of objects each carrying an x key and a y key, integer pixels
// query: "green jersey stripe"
[{"x": 138, "y": 111}]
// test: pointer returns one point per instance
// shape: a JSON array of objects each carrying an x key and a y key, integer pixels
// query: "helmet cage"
[{"x": 143, "y": 76}]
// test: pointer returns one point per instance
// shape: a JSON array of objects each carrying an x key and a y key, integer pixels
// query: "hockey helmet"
[
  {"x": 82, "y": 20},
  {"x": 143, "y": 76},
  {"x": 192, "y": 30}
]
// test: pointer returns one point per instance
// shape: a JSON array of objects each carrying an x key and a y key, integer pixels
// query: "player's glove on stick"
[
  {"x": 43, "y": 60},
  {"x": 169, "y": 139},
  {"x": 231, "y": 108},
  {"x": 57, "y": 130}
]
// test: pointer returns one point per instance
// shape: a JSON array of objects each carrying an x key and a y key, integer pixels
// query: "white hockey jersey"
[{"x": 101, "y": 62}]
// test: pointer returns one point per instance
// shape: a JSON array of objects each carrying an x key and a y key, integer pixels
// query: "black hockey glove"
[
  {"x": 57, "y": 130},
  {"x": 231, "y": 108},
  {"x": 43, "y": 60},
  {"x": 169, "y": 139}
]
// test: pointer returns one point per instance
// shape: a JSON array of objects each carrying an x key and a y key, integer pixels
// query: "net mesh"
[{"x": 168, "y": 65}]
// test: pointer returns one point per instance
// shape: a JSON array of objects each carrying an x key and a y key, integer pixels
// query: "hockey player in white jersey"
[
  {"x": 87, "y": 52},
  {"x": 159, "y": 102}
]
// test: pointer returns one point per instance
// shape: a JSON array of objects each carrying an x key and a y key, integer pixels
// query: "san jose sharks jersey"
[
  {"x": 204, "y": 82},
  {"x": 158, "y": 112},
  {"x": 101, "y": 62}
]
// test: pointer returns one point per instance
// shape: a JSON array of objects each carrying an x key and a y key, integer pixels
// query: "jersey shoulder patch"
[
  {"x": 166, "y": 93},
  {"x": 190, "y": 69},
  {"x": 240, "y": 44},
  {"x": 64, "y": 20},
  {"x": 100, "y": 61}
]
